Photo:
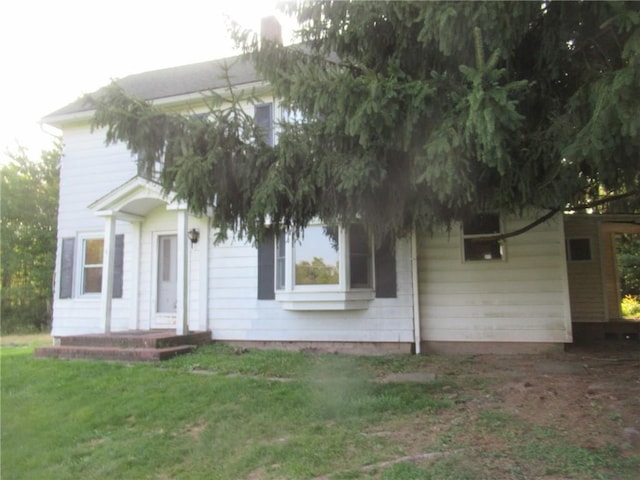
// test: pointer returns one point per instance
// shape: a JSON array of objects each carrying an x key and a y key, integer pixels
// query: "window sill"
[{"x": 332, "y": 300}]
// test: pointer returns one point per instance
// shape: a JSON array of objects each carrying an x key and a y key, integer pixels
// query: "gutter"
[{"x": 416, "y": 293}]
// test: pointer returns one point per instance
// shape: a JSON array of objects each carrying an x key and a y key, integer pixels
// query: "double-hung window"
[
  {"x": 81, "y": 266},
  {"x": 91, "y": 270}
]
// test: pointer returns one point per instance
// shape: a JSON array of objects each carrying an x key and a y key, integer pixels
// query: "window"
[
  {"x": 317, "y": 257},
  {"x": 326, "y": 268},
  {"x": 311, "y": 273},
  {"x": 579, "y": 249},
  {"x": 263, "y": 116},
  {"x": 92, "y": 249},
  {"x": 89, "y": 266},
  {"x": 474, "y": 230}
]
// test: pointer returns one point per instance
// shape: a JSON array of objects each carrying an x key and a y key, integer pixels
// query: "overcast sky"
[{"x": 53, "y": 51}]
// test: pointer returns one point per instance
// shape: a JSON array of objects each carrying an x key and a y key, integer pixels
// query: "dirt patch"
[{"x": 593, "y": 396}]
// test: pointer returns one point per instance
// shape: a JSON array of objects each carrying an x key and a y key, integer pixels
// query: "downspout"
[{"x": 416, "y": 293}]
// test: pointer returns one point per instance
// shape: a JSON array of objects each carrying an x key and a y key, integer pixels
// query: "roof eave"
[{"x": 84, "y": 116}]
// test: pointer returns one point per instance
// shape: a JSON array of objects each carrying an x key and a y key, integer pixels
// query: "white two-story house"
[{"x": 130, "y": 258}]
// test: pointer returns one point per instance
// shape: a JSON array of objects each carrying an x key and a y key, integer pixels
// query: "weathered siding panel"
[
  {"x": 585, "y": 277},
  {"x": 521, "y": 299}
]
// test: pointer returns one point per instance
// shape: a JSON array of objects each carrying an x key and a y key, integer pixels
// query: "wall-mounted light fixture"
[{"x": 194, "y": 235}]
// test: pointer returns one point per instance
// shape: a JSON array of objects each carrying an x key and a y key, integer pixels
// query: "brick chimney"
[{"x": 271, "y": 30}]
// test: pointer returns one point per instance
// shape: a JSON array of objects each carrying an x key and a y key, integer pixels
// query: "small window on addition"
[
  {"x": 474, "y": 232},
  {"x": 579, "y": 249}
]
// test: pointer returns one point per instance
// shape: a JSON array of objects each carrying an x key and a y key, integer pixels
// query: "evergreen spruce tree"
[{"x": 412, "y": 115}]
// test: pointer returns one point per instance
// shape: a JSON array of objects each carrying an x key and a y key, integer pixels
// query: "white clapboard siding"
[
  {"x": 235, "y": 313},
  {"x": 521, "y": 299},
  {"x": 90, "y": 170}
]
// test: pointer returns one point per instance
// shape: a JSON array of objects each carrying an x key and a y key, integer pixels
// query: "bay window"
[{"x": 326, "y": 268}]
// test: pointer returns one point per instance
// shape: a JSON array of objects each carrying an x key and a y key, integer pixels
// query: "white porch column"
[
  {"x": 108, "y": 256},
  {"x": 134, "y": 321},
  {"x": 182, "y": 323}
]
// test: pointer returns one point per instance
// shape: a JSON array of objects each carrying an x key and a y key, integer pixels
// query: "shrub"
[{"x": 630, "y": 307}]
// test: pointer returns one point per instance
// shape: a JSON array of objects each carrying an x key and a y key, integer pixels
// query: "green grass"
[{"x": 263, "y": 415}]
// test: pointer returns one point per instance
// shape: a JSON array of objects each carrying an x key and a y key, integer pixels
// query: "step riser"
[
  {"x": 136, "y": 341},
  {"x": 112, "y": 354},
  {"x": 132, "y": 346}
]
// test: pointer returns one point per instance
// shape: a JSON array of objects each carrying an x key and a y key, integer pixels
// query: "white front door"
[{"x": 167, "y": 281}]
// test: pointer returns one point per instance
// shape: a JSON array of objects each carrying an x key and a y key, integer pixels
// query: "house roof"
[{"x": 172, "y": 82}]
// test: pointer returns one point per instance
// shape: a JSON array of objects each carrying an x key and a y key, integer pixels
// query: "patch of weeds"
[
  {"x": 451, "y": 468},
  {"x": 561, "y": 457},
  {"x": 384, "y": 365},
  {"x": 542, "y": 451},
  {"x": 501, "y": 423},
  {"x": 615, "y": 417},
  {"x": 403, "y": 471}
]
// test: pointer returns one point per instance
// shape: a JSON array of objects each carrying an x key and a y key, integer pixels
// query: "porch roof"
[{"x": 133, "y": 200}]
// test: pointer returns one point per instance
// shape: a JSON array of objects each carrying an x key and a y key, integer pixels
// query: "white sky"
[{"x": 53, "y": 51}]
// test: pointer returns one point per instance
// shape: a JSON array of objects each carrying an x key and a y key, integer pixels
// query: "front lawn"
[{"x": 228, "y": 414}]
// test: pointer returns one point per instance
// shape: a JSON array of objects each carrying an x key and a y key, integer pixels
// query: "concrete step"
[
  {"x": 112, "y": 353},
  {"x": 137, "y": 339}
]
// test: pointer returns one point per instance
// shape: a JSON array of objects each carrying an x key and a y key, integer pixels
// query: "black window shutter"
[
  {"x": 266, "y": 269},
  {"x": 385, "y": 260},
  {"x": 118, "y": 267},
  {"x": 66, "y": 267}
]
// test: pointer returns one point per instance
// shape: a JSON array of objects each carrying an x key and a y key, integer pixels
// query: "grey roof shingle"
[{"x": 174, "y": 81}]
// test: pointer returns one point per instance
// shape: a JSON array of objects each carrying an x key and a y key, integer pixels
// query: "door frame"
[{"x": 159, "y": 320}]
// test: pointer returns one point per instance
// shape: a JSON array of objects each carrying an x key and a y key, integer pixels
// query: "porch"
[{"x": 125, "y": 346}]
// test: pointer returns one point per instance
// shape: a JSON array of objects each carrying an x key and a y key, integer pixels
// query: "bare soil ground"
[
  {"x": 593, "y": 393},
  {"x": 590, "y": 396}
]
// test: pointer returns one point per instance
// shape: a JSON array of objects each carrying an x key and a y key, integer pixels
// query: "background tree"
[
  {"x": 628, "y": 256},
  {"x": 29, "y": 206},
  {"x": 414, "y": 114}
]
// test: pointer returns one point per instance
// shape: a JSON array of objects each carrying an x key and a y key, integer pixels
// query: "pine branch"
[{"x": 551, "y": 213}]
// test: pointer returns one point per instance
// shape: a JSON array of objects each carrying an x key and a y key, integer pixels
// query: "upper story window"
[
  {"x": 263, "y": 115},
  {"x": 475, "y": 230}
]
